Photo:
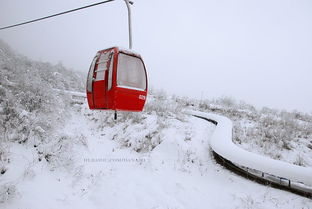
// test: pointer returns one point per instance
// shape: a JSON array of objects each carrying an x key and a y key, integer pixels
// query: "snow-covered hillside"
[
  {"x": 281, "y": 135},
  {"x": 58, "y": 154}
]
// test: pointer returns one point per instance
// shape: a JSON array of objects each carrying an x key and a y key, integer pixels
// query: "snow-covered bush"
[
  {"x": 32, "y": 106},
  {"x": 7, "y": 192},
  {"x": 3, "y": 158},
  {"x": 141, "y": 131}
]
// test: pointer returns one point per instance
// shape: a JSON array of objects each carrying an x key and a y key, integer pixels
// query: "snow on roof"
[{"x": 125, "y": 50}]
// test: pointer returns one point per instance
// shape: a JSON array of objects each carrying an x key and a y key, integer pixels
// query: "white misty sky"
[{"x": 257, "y": 51}]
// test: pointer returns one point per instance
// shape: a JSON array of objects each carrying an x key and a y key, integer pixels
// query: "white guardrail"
[
  {"x": 221, "y": 143},
  {"x": 77, "y": 97}
]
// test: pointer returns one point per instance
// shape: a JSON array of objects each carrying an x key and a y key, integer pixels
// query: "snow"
[
  {"x": 129, "y": 87},
  {"x": 178, "y": 173},
  {"x": 222, "y": 144},
  {"x": 55, "y": 153}
]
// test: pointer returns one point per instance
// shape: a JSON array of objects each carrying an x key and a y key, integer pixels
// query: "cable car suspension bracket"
[{"x": 130, "y": 33}]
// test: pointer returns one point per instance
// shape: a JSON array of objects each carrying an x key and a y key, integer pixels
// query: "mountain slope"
[{"x": 57, "y": 154}]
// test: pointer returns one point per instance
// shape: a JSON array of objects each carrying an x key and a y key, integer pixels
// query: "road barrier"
[{"x": 294, "y": 178}]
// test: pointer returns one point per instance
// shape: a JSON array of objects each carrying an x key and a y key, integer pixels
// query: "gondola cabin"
[{"x": 117, "y": 80}]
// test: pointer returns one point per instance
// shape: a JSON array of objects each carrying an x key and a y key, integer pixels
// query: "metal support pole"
[
  {"x": 130, "y": 35},
  {"x": 129, "y": 22},
  {"x": 115, "y": 115}
]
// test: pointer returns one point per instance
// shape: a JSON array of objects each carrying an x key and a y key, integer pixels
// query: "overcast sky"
[{"x": 256, "y": 51}]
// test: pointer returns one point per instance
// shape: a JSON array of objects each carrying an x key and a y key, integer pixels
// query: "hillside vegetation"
[{"x": 32, "y": 106}]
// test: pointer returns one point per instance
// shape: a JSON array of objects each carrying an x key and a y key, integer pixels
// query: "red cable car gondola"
[{"x": 117, "y": 80}]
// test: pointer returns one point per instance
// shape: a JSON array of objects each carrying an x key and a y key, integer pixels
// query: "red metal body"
[{"x": 117, "y": 80}]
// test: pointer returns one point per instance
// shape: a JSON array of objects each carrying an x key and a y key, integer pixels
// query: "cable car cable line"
[{"x": 58, "y": 14}]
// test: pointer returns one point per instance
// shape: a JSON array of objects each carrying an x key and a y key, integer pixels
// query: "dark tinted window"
[{"x": 90, "y": 74}]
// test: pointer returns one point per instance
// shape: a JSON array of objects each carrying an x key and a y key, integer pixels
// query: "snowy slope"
[
  {"x": 59, "y": 154},
  {"x": 280, "y": 135},
  {"x": 221, "y": 142},
  {"x": 177, "y": 173}
]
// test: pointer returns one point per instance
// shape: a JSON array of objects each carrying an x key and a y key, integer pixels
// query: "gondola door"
[
  {"x": 131, "y": 89},
  {"x": 100, "y": 80}
]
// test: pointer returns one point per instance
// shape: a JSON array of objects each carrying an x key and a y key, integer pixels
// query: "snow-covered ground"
[
  {"x": 56, "y": 153},
  {"x": 103, "y": 172}
]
